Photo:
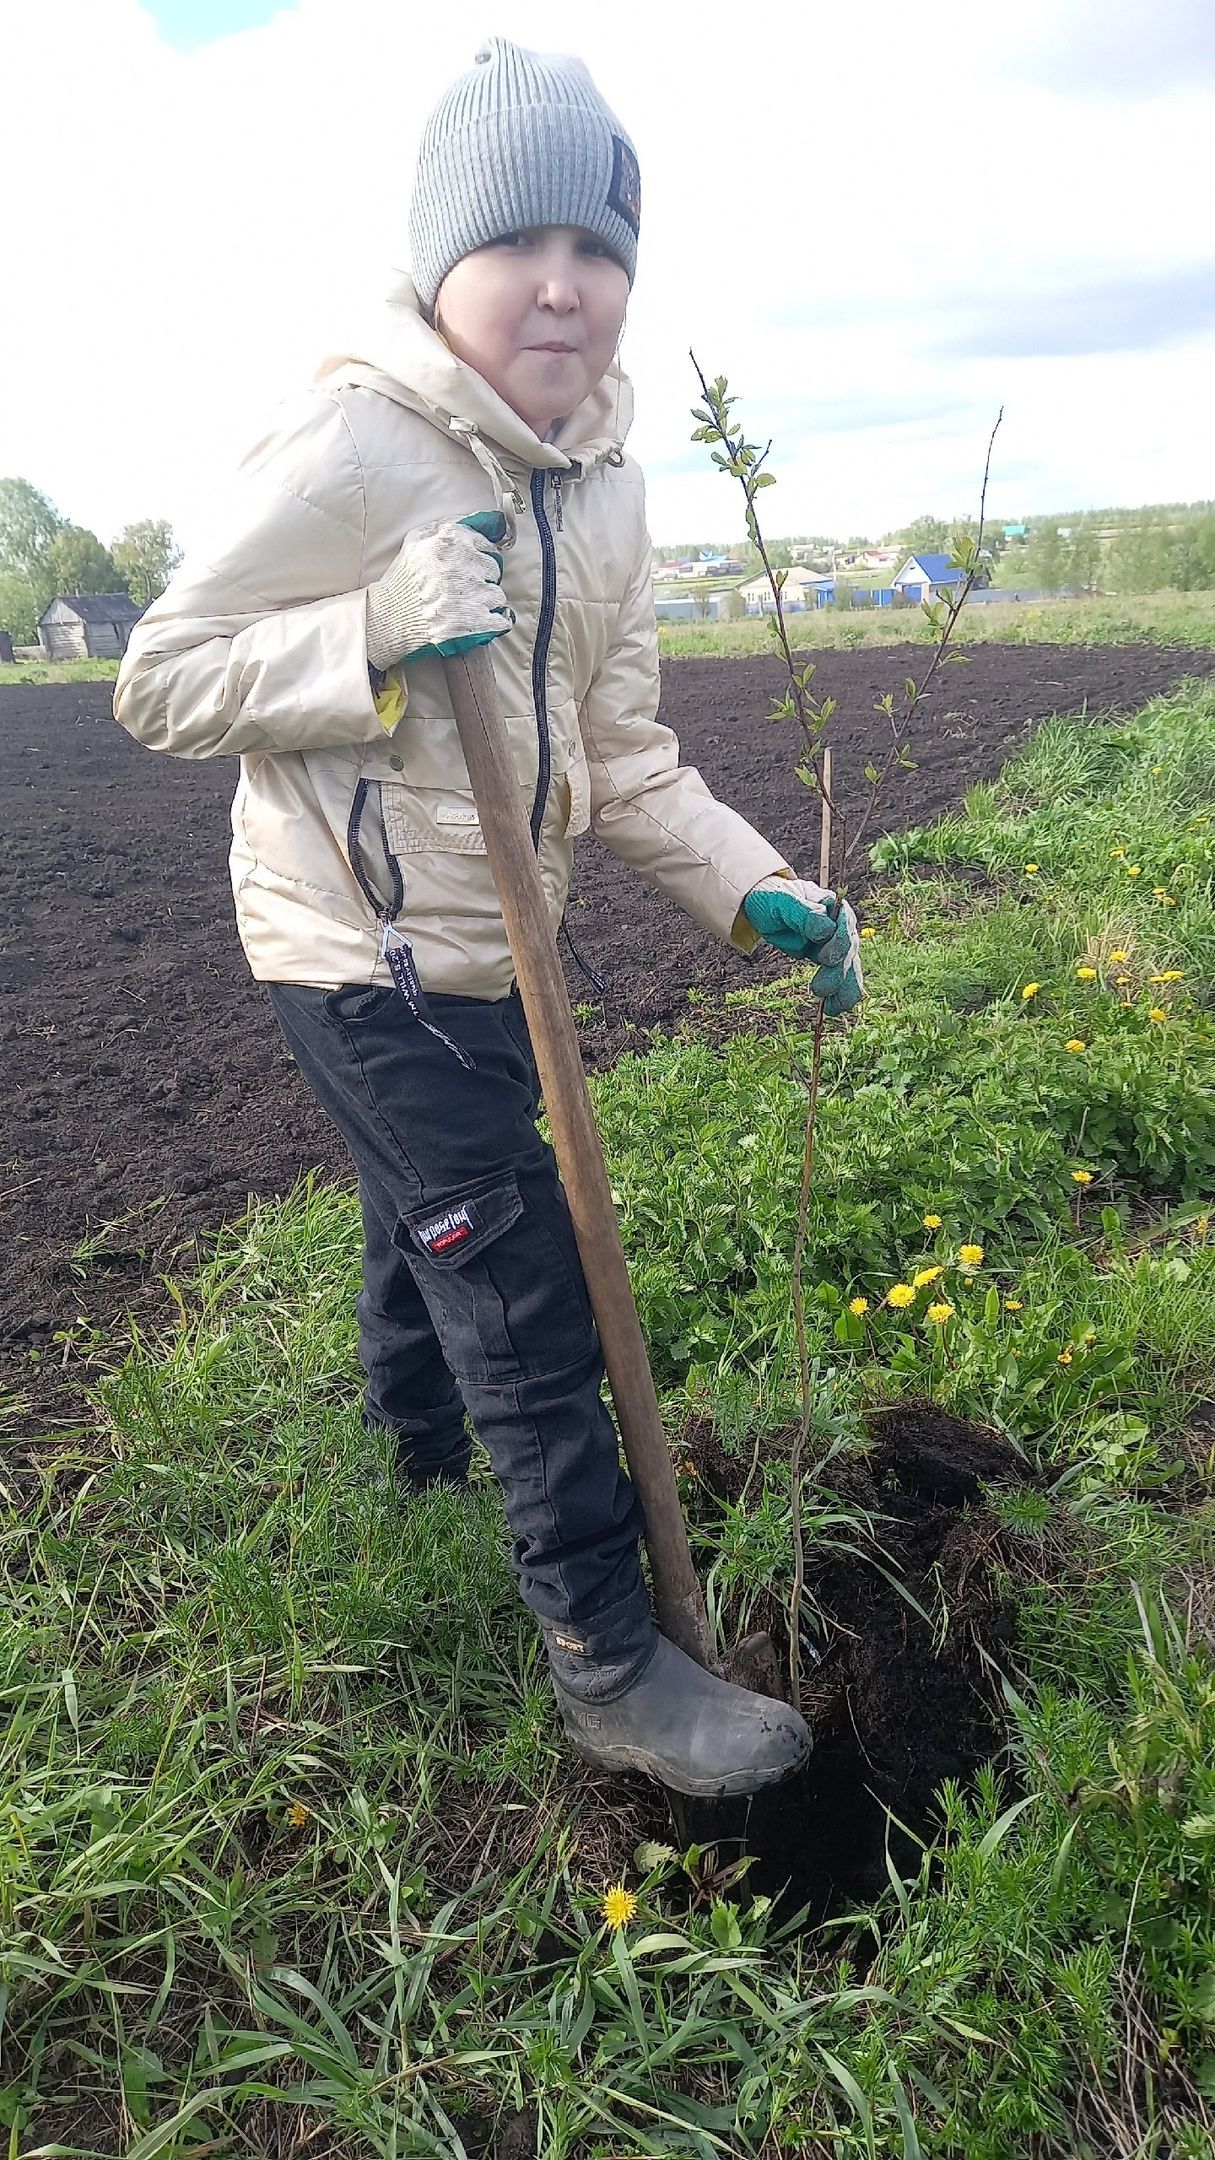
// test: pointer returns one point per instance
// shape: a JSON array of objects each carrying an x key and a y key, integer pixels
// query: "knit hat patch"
[{"x": 624, "y": 195}]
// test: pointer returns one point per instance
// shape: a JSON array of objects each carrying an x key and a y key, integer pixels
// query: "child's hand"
[
  {"x": 809, "y": 923},
  {"x": 443, "y": 593}
]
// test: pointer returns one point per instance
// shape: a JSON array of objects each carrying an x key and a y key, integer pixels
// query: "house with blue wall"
[{"x": 928, "y": 577}]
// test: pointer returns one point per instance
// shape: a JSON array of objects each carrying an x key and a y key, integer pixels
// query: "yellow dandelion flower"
[
  {"x": 1030, "y": 990},
  {"x": 1133, "y": 870},
  {"x": 970, "y": 1255},
  {"x": 926, "y": 1275},
  {"x": 1014, "y": 1304},
  {"x": 1119, "y": 954},
  {"x": 1082, "y": 1177},
  {"x": 1090, "y": 1335},
  {"x": 1117, "y": 853},
  {"x": 858, "y": 1305},
  {"x": 868, "y": 931},
  {"x": 932, "y": 1222},
  {"x": 1031, "y": 869},
  {"x": 900, "y": 1294},
  {"x": 1157, "y": 1014},
  {"x": 1122, "y": 981},
  {"x": 1167, "y": 900},
  {"x": 1086, "y": 974},
  {"x": 1064, "y": 1358},
  {"x": 618, "y": 1906},
  {"x": 1076, "y": 1045},
  {"x": 1169, "y": 975},
  {"x": 1160, "y": 892},
  {"x": 939, "y": 1314},
  {"x": 297, "y": 1814}
]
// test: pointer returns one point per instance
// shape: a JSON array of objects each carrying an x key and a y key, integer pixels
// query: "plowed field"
[{"x": 145, "y": 1084}]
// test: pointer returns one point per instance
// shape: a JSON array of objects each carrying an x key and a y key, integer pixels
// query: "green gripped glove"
[
  {"x": 443, "y": 593},
  {"x": 810, "y": 923},
  {"x": 491, "y": 524}
]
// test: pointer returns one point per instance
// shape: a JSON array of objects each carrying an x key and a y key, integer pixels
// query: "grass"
[
  {"x": 1157, "y": 619},
  {"x": 57, "y": 671},
  {"x": 290, "y": 1858},
  {"x": 1168, "y": 618}
]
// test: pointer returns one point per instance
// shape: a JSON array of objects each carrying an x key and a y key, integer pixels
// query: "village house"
[
  {"x": 87, "y": 626},
  {"x": 868, "y": 558},
  {"x": 802, "y": 589},
  {"x": 927, "y": 577}
]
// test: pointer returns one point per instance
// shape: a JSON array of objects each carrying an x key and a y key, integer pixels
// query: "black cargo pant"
[{"x": 473, "y": 1295}]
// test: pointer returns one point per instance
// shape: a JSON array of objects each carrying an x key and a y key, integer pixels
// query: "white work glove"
[
  {"x": 442, "y": 594},
  {"x": 808, "y": 922}
]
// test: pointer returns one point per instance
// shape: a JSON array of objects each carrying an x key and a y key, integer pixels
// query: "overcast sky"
[{"x": 879, "y": 221}]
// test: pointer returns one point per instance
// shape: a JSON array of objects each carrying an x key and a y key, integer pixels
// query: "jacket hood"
[{"x": 405, "y": 359}]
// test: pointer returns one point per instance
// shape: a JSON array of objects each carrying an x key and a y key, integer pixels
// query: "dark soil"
[
  {"x": 145, "y": 1083},
  {"x": 897, "y": 1702}
]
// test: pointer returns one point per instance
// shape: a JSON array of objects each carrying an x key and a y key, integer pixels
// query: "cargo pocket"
[
  {"x": 450, "y": 1236},
  {"x": 503, "y": 1285}
]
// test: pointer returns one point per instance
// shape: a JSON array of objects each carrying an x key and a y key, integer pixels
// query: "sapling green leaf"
[{"x": 743, "y": 460}]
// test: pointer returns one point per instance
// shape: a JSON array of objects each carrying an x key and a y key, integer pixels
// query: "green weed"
[{"x": 290, "y": 1855}]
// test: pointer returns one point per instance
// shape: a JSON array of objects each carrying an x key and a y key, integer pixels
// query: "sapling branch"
[{"x": 747, "y": 463}]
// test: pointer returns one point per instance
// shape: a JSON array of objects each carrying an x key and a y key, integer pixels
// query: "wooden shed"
[{"x": 87, "y": 626}]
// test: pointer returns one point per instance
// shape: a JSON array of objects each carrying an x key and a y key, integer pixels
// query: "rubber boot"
[{"x": 690, "y": 1730}]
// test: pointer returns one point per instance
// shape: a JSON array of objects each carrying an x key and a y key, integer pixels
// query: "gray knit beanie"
[{"x": 524, "y": 139}]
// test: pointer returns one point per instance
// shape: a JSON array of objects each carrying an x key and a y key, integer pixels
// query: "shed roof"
[{"x": 98, "y": 607}]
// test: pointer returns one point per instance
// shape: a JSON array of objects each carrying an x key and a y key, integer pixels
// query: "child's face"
[{"x": 539, "y": 315}]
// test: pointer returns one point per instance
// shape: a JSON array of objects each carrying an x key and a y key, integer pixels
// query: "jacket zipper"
[{"x": 544, "y": 632}]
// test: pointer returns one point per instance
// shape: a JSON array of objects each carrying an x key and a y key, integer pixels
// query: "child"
[{"x": 362, "y": 543}]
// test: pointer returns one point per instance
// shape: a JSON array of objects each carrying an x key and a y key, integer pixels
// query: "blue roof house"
[{"x": 922, "y": 576}]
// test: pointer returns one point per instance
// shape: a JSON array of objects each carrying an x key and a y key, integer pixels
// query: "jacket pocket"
[
  {"x": 430, "y": 821},
  {"x": 578, "y": 780}
]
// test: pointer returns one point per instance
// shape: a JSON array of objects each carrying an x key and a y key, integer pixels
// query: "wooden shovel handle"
[{"x": 508, "y": 844}]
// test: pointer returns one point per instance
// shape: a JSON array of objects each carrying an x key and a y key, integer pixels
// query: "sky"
[{"x": 881, "y": 223}]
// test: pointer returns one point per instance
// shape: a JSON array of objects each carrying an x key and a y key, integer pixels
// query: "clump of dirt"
[{"x": 904, "y": 1636}]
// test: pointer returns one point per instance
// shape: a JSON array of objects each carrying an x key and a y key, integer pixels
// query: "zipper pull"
[{"x": 559, "y": 512}]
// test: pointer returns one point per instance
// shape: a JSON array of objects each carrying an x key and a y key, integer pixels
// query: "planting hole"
[{"x": 902, "y": 1694}]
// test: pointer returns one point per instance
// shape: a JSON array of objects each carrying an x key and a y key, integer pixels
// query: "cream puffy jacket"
[{"x": 258, "y": 648}]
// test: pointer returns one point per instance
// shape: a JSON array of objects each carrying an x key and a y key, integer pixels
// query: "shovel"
[{"x": 508, "y": 845}]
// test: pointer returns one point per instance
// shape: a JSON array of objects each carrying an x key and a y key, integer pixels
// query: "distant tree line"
[
  {"x": 1162, "y": 551},
  {"x": 42, "y": 554},
  {"x": 1164, "y": 547}
]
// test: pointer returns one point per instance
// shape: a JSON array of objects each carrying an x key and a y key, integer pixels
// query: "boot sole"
[{"x": 737, "y": 1786}]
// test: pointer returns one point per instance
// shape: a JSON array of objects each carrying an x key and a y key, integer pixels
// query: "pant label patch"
[{"x": 444, "y": 1232}]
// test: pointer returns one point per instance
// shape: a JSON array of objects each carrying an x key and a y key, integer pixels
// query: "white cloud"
[{"x": 878, "y": 232}]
